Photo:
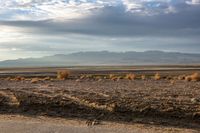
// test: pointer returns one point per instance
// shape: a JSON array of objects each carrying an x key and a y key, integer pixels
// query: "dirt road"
[{"x": 21, "y": 124}]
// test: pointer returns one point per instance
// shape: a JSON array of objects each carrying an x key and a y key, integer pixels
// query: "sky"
[{"x": 36, "y": 28}]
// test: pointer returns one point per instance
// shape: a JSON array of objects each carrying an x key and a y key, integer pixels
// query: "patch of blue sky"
[{"x": 156, "y": 4}]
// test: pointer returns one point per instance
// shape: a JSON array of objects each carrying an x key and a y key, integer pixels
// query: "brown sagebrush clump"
[
  {"x": 172, "y": 81},
  {"x": 35, "y": 80},
  {"x": 110, "y": 76},
  {"x": 130, "y": 76},
  {"x": 19, "y": 78},
  {"x": 188, "y": 78},
  {"x": 157, "y": 76},
  {"x": 115, "y": 78},
  {"x": 82, "y": 77},
  {"x": 120, "y": 77},
  {"x": 181, "y": 77},
  {"x": 143, "y": 77},
  {"x": 195, "y": 77},
  {"x": 63, "y": 74},
  {"x": 46, "y": 78},
  {"x": 8, "y": 98},
  {"x": 168, "y": 78}
]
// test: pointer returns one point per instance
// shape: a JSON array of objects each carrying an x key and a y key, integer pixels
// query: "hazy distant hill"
[{"x": 107, "y": 58}]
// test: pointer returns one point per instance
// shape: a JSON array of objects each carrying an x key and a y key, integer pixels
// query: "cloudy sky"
[{"x": 34, "y": 28}]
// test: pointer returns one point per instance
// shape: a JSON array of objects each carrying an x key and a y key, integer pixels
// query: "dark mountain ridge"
[{"x": 107, "y": 58}]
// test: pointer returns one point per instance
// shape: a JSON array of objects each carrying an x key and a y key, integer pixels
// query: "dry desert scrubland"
[{"x": 151, "y": 98}]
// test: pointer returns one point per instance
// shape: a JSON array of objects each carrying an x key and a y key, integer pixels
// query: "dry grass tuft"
[
  {"x": 181, "y": 77},
  {"x": 172, "y": 81},
  {"x": 19, "y": 78},
  {"x": 88, "y": 76},
  {"x": 46, "y": 78},
  {"x": 82, "y": 77},
  {"x": 77, "y": 80},
  {"x": 188, "y": 78},
  {"x": 35, "y": 80},
  {"x": 143, "y": 77},
  {"x": 130, "y": 76},
  {"x": 115, "y": 78},
  {"x": 157, "y": 76},
  {"x": 168, "y": 78},
  {"x": 63, "y": 74},
  {"x": 8, "y": 98},
  {"x": 195, "y": 77},
  {"x": 110, "y": 76}
]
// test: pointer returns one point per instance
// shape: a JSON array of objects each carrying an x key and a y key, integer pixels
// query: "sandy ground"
[
  {"x": 56, "y": 106},
  {"x": 22, "y": 124}
]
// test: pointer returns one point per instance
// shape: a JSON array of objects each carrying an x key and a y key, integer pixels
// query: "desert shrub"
[
  {"x": 181, "y": 77},
  {"x": 82, "y": 77},
  {"x": 157, "y": 76},
  {"x": 115, "y": 78},
  {"x": 195, "y": 77},
  {"x": 46, "y": 78},
  {"x": 27, "y": 79},
  {"x": 130, "y": 76},
  {"x": 120, "y": 77},
  {"x": 63, "y": 74},
  {"x": 8, "y": 98},
  {"x": 110, "y": 76},
  {"x": 35, "y": 80},
  {"x": 188, "y": 78},
  {"x": 168, "y": 78},
  {"x": 19, "y": 78},
  {"x": 52, "y": 79},
  {"x": 143, "y": 77},
  {"x": 172, "y": 81},
  {"x": 89, "y": 76}
]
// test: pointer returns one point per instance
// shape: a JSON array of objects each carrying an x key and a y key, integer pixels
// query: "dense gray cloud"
[
  {"x": 65, "y": 26},
  {"x": 114, "y": 21}
]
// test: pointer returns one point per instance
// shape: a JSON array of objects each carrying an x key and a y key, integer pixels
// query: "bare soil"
[
  {"x": 149, "y": 101},
  {"x": 41, "y": 124}
]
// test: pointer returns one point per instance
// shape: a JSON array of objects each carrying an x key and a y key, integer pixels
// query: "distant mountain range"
[{"x": 107, "y": 58}]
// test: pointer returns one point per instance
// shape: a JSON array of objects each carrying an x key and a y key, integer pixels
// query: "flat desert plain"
[{"x": 144, "y": 98}]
